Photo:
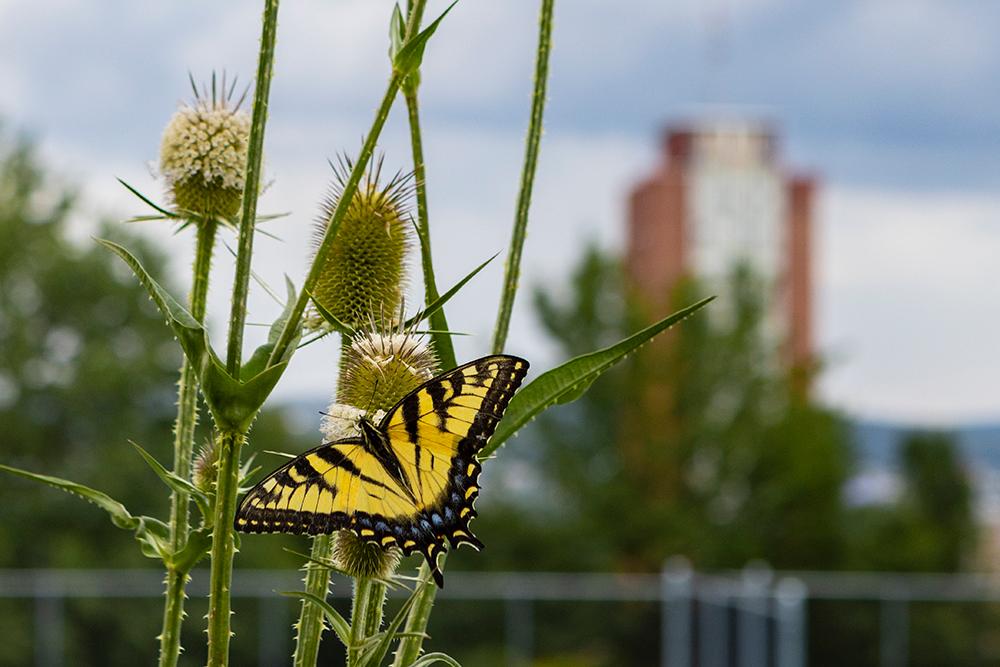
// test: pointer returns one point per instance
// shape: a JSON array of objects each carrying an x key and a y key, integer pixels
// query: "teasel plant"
[{"x": 205, "y": 193}]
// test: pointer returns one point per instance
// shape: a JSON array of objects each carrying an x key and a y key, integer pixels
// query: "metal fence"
[{"x": 750, "y": 618}]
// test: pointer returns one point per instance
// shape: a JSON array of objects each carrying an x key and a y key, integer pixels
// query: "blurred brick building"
[{"x": 721, "y": 197}]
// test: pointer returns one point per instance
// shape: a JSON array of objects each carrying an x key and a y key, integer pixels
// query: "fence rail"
[{"x": 757, "y": 614}]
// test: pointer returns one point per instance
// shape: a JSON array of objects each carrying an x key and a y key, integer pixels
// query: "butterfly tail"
[{"x": 431, "y": 556}]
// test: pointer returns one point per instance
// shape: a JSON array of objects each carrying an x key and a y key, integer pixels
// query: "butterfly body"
[{"x": 409, "y": 481}]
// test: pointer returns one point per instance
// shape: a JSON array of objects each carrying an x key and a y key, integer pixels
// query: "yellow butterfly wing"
[
  {"x": 322, "y": 491},
  {"x": 411, "y": 482}
]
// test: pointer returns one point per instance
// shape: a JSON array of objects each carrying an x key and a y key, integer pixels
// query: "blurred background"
[{"x": 807, "y": 473}]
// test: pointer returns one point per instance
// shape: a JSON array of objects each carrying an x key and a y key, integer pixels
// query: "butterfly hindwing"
[{"x": 410, "y": 482}]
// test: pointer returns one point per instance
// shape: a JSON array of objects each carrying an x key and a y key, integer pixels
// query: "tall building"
[{"x": 719, "y": 198}]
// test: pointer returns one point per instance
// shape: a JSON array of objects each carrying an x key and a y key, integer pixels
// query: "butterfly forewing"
[
  {"x": 318, "y": 492},
  {"x": 434, "y": 433},
  {"x": 449, "y": 420}
]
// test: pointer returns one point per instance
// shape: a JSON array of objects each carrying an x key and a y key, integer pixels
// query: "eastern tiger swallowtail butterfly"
[{"x": 409, "y": 481}]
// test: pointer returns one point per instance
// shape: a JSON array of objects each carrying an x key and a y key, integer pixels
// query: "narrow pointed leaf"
[
  {"x": 190, "y": 333},
  {"x": 151, "y": 533},
  {"x": 570, "y": 380},
  {"x": 439, "y": 303},
  {"x": 434, "y": 658},
  {"x": 258, "y": 360},
  {"x": 175, "y": 482},
  {"x": 397, "y": 31},
  {"x": 333, "y": 320},
  {"x": 337, "y": 622},
  {"x": 234, "y": 404},
  {"x": 376, "y": 654},
  {"x": 199, "y": 543},
  {"x": 409, "y": 57},
  {"x": 164, "y": 212}
]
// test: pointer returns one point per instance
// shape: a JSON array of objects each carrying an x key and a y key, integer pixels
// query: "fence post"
[
  {"x": 519, "y": 619},
  {"x": 50, "y": 621},
  {"x": 752, "y": 635},
  {"x": 790, "y": 597},
  {"x": 676, "y": 580},
  {"x": 713, "y": 624},
  {"x": 272, "y": 630},
  {"x": 894, "y": 632}
]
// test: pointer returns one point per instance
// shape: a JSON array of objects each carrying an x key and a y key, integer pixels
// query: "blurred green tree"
[
  {"x": 85, "y": 364},
  {"x": 705, "y": 444},
  {"x": 930, "y": 526},
  {"x": 700, "y": 445}
]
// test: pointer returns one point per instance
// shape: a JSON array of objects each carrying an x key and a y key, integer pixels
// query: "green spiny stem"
[
  {"x": 416, "y": 621},
  {"x": 419, "y": 615},
  {"x": 439, "y": 323},
  {"x": 414, "y": 15},
  {"x": 294, "y": 322},
  {"x": 227, "y": 484},
  {"x": 527, "y": 178},
  {"x": 223, "y": 548},
  {"x": 173, "y": 617},
  {"x": 376, "y": 607},
  {"x": 359, "y": 613},
  {"x": 311, "y": 624},
  {"x": 255, "y": 151},
  {"x": 184, "y": 428}
]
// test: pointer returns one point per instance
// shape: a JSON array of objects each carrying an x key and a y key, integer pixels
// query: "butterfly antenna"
[{"x": 371, "y": 401}]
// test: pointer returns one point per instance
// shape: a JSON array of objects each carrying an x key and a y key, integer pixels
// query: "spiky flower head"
[
  {"x": 203, "y": 154},
  {"x": 365, "y": 273},
  {"x": 206, "y": 466},
  {"x": 379, "y": 368},
  {"x": 363, "y": 559}
]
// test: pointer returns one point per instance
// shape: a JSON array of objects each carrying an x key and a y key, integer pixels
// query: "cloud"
[
  {"x": 893, "y": 103},
  {"x": 908, "y": 309}
]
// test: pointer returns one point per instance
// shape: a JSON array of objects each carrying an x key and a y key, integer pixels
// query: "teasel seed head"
[
  {"x": 380, "y": 367},
  {"x": 206, "y": 466},
  {"x": 364, "y": 275},
  {"x": 359, "y": 558},
  {"x": 203, "y": 154}
]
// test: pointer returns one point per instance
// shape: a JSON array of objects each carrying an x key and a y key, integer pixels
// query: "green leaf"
[
  {"x": 409, "y": 57},
  {"x": 338, "y": 622},
  {"x": 151, "y": 533},
  {"x": 176, "y": 482},
  {"x": 333, "y": 320},
  {"x": 376, "y": 654},
  {"x": 328, "y": 564},
  {"x": 397, "y": 32},
  {"x": 190, "y": 333},
  {"x": 164, "y": 213},
  {"x": 233, "y": 403},
  {"x": 433, "y": 658},
  {"x": 199, "y": 543},
  {"x": 570, "y": 380},
  {"x": 439, "y": 303},
  {"x": 258, "y": 360}
]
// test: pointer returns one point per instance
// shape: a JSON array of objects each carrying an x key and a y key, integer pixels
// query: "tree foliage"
[
  {"x": 699, "y": 445},
  {"x": 705, "y": 444}
]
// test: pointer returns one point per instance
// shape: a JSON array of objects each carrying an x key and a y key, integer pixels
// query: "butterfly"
[{"x": 409, "y": 481}]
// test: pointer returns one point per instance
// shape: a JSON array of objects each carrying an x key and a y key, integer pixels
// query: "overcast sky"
[{"x": 894, "y": 104}]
